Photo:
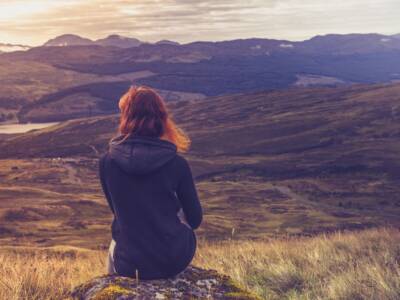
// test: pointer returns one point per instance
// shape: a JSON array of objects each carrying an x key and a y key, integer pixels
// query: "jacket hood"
[{"x": 141, "y": 155}]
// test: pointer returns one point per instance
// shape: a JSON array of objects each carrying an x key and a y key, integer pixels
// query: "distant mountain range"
[
  {"x": 214, "y": 68},
  {"x": 42, "y": 79},
  {"x": 113, "y": 40},
  {"x": 330, "y": 43},
  {"x": 75, "y": 40},
  {"x": 64, "y": 40}
]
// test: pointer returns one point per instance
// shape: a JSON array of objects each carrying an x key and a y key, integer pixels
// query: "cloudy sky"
[{"x": 33, "y": 22}]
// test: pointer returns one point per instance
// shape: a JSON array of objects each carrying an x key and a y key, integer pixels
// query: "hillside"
[
  {"x": 113, "y": 40},
  {"x": 298, "y": 121},
  {"x": 31, "y": 91},
  {"x": 299, "y": 161},
  {"x": 67, "y": 40},
  {"x": 206, "y": 68}
]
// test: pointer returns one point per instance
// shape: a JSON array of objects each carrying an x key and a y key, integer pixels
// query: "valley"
[
  {"x": 72, "y": 77},
  {"x": 267, "y": 164},
  {"x": 290, "y": 115}
]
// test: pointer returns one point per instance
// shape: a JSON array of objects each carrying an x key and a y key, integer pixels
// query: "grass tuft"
[{"x": 343, "y": 266}]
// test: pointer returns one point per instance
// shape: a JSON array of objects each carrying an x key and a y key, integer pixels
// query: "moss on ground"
[{"x": 112, "y": 292}]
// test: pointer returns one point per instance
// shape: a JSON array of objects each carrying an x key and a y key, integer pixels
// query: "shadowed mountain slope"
[{"x": 206, "y": 68}]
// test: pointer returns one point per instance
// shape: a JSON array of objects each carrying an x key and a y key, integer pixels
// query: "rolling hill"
[
  {"x": 298, "y": 161},
  {"x": 206, "y": 68},
  {"x": 67, "y": 40},
  {"x": 113, "y": 40}
]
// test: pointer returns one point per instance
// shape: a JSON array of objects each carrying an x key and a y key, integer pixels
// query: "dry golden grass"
[
  {"x": 360, "y": 265},
  {"x": 46, "y": 273},
  {"x": 351, "y": 266}
]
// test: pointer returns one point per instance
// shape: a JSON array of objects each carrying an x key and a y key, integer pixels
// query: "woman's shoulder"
[
  {"x": 103, "y": 160},
  {"x": 180, "y": 160},
  {"x": 181, "y": 165},
  {"x": 178, "y": 165}
]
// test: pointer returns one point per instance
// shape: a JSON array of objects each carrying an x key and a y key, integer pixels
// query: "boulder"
[{"x": 193, "y": 283}]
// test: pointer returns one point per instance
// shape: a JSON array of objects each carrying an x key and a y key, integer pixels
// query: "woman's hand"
[{"x": 182, "y": 218}]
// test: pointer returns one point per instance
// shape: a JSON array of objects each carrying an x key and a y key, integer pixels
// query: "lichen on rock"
[{"x": 193, "y": 283}]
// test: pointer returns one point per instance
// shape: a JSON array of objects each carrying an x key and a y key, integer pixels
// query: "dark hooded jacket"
[{"x": 146, "y": 183}]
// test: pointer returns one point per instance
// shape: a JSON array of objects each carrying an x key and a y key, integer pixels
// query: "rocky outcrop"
[{"x": 193, "y": 283}]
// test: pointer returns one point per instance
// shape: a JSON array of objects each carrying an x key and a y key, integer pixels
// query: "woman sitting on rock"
[{"x": 150, "y": 190}]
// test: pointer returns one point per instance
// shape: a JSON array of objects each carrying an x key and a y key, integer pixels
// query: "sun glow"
[{"x": 10, "y": 11}]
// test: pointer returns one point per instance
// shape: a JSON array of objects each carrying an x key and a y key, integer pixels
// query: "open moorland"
[
  {"x": 293, "y": 162},
  {"x": 275, "y": 171}
]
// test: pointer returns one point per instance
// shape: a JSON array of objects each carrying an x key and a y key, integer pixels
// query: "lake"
[{"x": 21, "y": 128}]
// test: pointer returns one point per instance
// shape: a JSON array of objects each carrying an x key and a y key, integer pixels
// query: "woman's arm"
[
  {"x": 103, "y": 182},
  {"x": 187, "y": 195}
]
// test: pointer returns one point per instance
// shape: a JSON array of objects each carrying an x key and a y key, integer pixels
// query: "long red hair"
[{"x": 144, "y": 113}]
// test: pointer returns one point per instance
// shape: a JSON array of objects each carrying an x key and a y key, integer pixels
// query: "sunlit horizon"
[{"x": 35, "y": 22}]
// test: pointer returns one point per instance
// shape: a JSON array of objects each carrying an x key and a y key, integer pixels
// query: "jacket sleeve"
[
  {"x": 187, "y": 195},
  {"x": 103, "y": 182}
]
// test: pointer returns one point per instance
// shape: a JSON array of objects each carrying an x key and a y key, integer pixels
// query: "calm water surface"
[{"x": 21, "y": 128}]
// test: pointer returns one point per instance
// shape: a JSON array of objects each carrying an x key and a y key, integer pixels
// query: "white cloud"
[{"x": 33, "y": 22}]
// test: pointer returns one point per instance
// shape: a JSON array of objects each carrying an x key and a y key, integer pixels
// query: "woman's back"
[{"x": 146, "y": 183}]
